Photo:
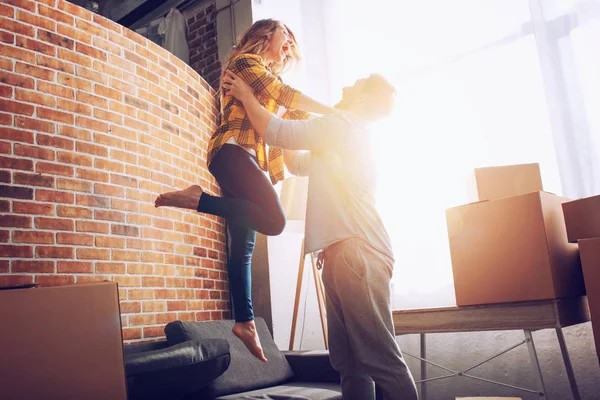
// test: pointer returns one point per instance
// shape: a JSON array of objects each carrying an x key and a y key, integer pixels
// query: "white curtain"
[{"x": 480, "y": 83}]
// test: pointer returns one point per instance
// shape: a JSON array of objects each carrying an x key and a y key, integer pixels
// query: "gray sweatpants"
[{"x": 362, "y": 344}]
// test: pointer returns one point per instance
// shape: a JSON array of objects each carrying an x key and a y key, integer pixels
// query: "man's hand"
[{"x": 237, "y": 87}]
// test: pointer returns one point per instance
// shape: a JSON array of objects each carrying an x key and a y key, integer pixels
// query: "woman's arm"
[{"x": 249, "y": 68}]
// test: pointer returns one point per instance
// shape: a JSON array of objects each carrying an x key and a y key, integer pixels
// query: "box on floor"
[
  {"x": 589, "y": 249},
  {"x": 62, "y": 343},
  {"x": 582, "y": 218},
  {"x": 512, "y": 249}
]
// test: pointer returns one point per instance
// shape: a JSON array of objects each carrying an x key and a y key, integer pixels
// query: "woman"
[{"x": 237, "y": 157}]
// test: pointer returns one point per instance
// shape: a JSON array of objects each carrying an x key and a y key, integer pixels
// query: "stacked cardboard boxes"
[
  {"x": 582, "y": 219},
  {"x": 512, "y": 244}
]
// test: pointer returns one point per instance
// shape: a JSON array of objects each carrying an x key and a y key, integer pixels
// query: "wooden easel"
[{"x": 320, "y": 296}]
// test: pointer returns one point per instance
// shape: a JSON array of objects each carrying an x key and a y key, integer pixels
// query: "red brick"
[
  {"x": 6, "y": 119},
  {"x": 6, "y": 37},
  {"x": 89, "y": 226},
  {"x": 18, "y": 53},
  {"x": 35, "y": 71},
  {"x": 76, "y": 34},
  {"x": 153, "y": 257},
  {"x": 16, "y": 27},
  {"x": 124, "y": 205},
  {"x": 16, "y": 107},
  {"x": 139, "y": 219},
  {"x": 5, "y": 176},
  {"x": 74, "y": 82},
  {"x": 152, "y": 281},
  {"x": 143, "y": 269},
  {"x": 36, "y": 46},
  {"x": 36, "y": 20},
  {"x": 176, "y": 305},
  {"x": 92, "y": 149},
  {"x": 74, "y": 158},
  {"x": 74, "y": 107},
  {"x": 75, "y": 10},
  {"x": 107, "y": 215},
  {"x": 128, "y": 307},
  {"x": 17, "y": 80},
  {"x": 16, "y": 192},
  {"x": 109, "y": 165},
  {"x": 91, "y": 28},
  {"x": 112, "y": 242},
  {"x": 35, "y": 124},
  {"x": 125, "y": 230},
  {"x": 54, "y": 196},
  {"x": 4, "y": 264},
  {"x": 54, "y": 280},
  {"x": 12, "y": 280},
  {"x": 76, "y": 239},
  {"x": 56, "y": 15},
  {"x": 108, "y": 92},
  {"x": 75, "y": 133},
  {"x": 54, "y": 115},
  {"x": 54, "y": 141},
  {"x": 91, "y": 51},
  {"x": 109, "y": 190},
  {"x": 6, "y": 11},
  {"x": 108, "y": 116},
  {"x": 92, "y": 201},
  {"x": 92, "y": 175},
  {"x": 76, "y": 58},
  {"x": 8, "y": 250},
  {"x": 75, "y": 267},
  {"x": 35, "y": 97},
  {"x": 15, "y": 221},
  {"x": 125, "y": 255},
  {"x": 92, "y": 75},
  {"x": 55, "y": 224},
  {"x": 140, "y": 294},
  {"x": 56, "y": 90},
  {"x": 132, "y": 333},
  {"x": 33, "y": 237},
  {"x": 6, "y": 91},
  {"x": 110, "y": 268},
  {"x": 73, "y": 184},
  {"x": 21, "y": 207},
  {"x": 16, "y": 163},
  {"x": 93, "y": 254},
  {"x": 73, "y": 212},
  {"x": 142, "y": 319},
  {"x": 92, "y": 100},
  {"x": 16, "y": 135},
  {"x": 34, "y": 152},
  {"x": 55, "y": 169}
]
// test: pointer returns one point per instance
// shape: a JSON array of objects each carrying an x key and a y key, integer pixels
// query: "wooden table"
[{"x": 527, "y": 316}]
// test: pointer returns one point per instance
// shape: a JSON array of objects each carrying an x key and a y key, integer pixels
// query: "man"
[{"x": 341, "y": 220}]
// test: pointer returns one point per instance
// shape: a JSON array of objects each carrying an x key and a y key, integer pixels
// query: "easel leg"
[
  {"x": 568, "y": 366},
  {"x": 320, "y": 299},
  {"x": 297, "y": 299},
  {"x": 423, "y": 366},
  {"x": 535, "y": 362}
]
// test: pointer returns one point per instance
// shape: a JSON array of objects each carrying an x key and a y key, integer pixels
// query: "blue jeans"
[{"x": 249, "y": 204}]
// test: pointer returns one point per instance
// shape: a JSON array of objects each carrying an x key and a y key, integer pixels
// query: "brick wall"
[
  {"x": 202, "y": 41},
  {"x": 95, "y": 122}
]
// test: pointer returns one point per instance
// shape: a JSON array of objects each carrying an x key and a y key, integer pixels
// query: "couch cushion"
[
  {"x": 245, "y": 371},
  {"x": 292, "y": 391},
  {"x": 176, "y": 371}
]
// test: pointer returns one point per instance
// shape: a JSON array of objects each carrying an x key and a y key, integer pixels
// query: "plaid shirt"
[{"x": 271, "y": 93}]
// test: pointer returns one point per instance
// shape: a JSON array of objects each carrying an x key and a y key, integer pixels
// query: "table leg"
[
  {"x": 535, "y": 362},
  {"x": 423, "y": 367},
  {"x": 568, "y": 366}
]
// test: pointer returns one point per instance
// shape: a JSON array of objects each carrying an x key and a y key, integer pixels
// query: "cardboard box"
[
  {"x": 506, "y": 181},
  {"x": 582, "y": 218},
  {"x": 589, "y": 249},
  {"x": 62, "y": 343},
  {"x": 512, "y": 249}
]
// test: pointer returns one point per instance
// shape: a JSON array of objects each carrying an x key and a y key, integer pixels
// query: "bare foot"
[
  {"x": 246, "y": 331},
  {"x": 186, "y": 198}
]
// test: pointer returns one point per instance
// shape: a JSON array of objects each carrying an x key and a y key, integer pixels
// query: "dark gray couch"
[{"x": 287, "y": 375}]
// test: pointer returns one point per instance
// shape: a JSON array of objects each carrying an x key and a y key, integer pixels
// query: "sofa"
[{"x": 204, "y": 360}]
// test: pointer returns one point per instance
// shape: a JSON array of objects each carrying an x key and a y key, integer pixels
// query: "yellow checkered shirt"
[{"x": 271, "y": 93}]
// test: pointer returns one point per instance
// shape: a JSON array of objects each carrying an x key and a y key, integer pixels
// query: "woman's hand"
[{"x": 237, "y": 87}]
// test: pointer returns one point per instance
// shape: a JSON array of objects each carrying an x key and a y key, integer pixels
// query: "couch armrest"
[
  {"x": 312, "y": 366},
  {"x": 176, "y": 371}
]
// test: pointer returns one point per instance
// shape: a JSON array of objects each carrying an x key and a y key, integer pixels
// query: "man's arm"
[{"x": 297, "y": 162}]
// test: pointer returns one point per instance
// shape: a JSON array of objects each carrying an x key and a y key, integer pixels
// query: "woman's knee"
[{"x": 276, "y": 225}]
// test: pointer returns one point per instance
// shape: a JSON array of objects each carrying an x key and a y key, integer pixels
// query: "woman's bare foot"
[
  {"x": 186, "y": 198},
  {"x": 246, "y": 331}
]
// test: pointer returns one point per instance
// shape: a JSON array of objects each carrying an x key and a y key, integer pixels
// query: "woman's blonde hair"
[{"x": 256, "y": 41}]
